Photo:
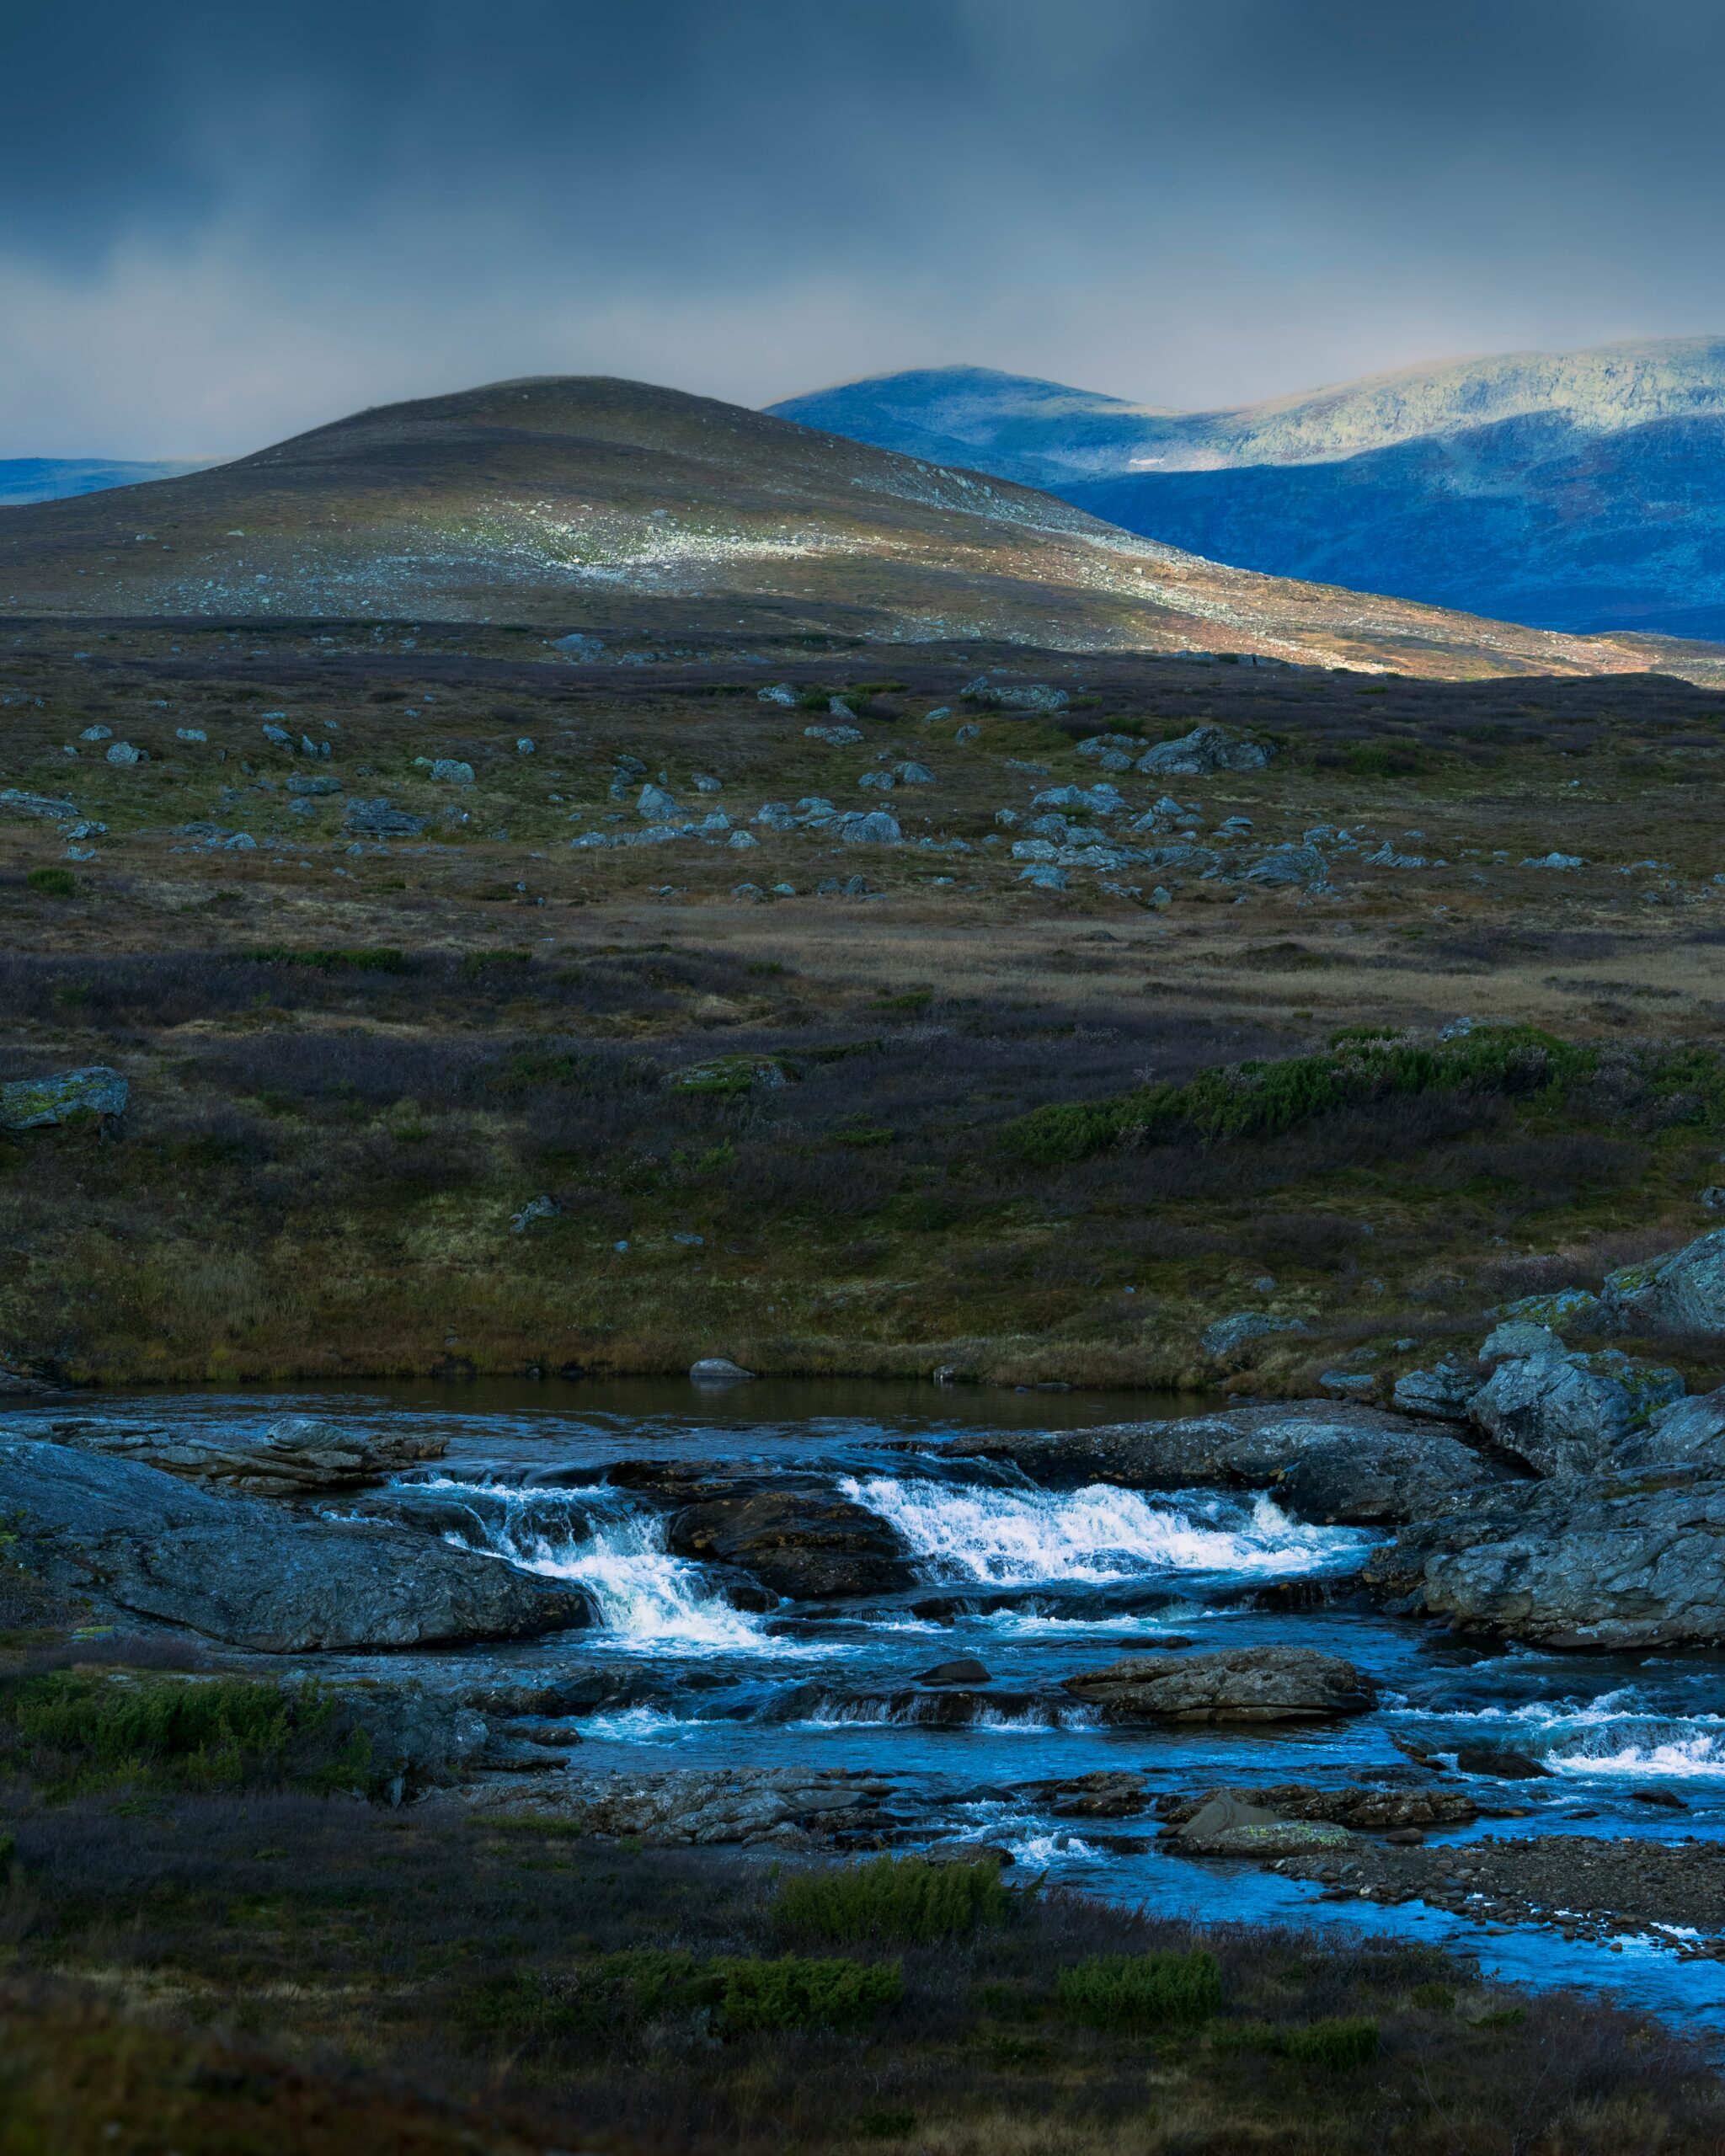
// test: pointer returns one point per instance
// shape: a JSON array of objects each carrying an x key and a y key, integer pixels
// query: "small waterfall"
[
  {"x": 1095, "y": 1535},
  {"x": 646, "y": 1597}
]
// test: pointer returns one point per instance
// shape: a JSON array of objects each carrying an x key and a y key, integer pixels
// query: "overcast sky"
[{"x": 220, "y": 223}]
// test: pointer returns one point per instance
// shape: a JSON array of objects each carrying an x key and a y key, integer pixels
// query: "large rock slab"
[
  {"x": 1688, "y": 1433},
  {"x": 1682, "y": 1292},
  {"x": 1570, "y": 1415},
  {"x": 1242, "y": 1685},
  {"x": 1373, "y": 1811},
  {"x": 238, "y": 1569},
  {"x": 1336, "y": 1463},
  {"x": 1228, "y": 1825},
  {"x": 1208, "y": 748},
  {"x": 806, "y": 1544},
  {"x": 294, "y": 1457},
  {"x": 1599, "y": 1564}
]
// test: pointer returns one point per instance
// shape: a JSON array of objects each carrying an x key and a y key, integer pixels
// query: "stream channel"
[{"x": 1058, "y": 1581}]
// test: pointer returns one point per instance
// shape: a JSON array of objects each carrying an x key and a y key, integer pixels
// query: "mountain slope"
[
  {"x": 610, "y": 507},
  {"x": 53, "y": 479},
  {"x": 1533, "y": 519}
]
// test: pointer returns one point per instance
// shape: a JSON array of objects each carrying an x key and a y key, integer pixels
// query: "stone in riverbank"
[
  {"x": 1569, "y": 1414},
  {"x": 293, "y": 1457},
  {"x": 1375, "y": 1810},
  {"x": 1226, "y": 1825},
  {"x": 685, "y": 1807},
  {"x": 1335, "y": 1462},
  {"x": 1243, "y": 1684},
  {"x": 1683, "y": 1292},
  {"x": 1574, "y": 1564},
  {"x": 134, "y": 1539}
]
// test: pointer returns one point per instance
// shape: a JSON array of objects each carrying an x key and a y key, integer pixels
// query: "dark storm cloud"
[{"x": 219, "y": 223}]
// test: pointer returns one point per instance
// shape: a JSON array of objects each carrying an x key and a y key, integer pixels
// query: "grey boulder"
[
  {"x": 1444, "y": 1392},
  {"x": 1242, "y": 1685},
  {"x": 805, "y": 1545},
  {"x": 1228, "y": 1335},
  {"x": 135, "y": 1539},
  {"x": 34, "y": 1103},
  {"x": 1227, "y": 1825},
  {"x": 1206, "y": 749},
  {"x": 1577, "y": 1564},
  {"x": 1688, "y": 1433},
  {"x": 381, "y": 818},
  {"x": 1683, "y": 1292}
]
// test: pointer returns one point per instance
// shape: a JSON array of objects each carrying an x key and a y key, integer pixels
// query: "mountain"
[
  {"x": 641, "y": 515},
  {"x": 1581, "y": 491},
  {"x": 52, "y": 479}
]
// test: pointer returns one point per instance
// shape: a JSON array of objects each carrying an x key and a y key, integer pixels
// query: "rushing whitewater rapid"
[{"x": 1094, "y": 1536}]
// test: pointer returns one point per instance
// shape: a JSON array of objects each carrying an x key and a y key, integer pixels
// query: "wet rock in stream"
[
  {"x": 804, "y": 1545},
  {"x": 293, "y": 1457},
  {"x": 1244, "y": 1685},
  {"x": 252, "y": 1572},
  {"x": 1340, "y": 1465}
]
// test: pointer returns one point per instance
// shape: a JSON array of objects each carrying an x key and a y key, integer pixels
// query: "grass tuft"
[
  {"x": 1121, "y": 1991},
  {"x": 895, "y": 1898}
]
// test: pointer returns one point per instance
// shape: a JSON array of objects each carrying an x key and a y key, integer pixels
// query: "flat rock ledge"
[
  {"x": 1671, "y": 1892},
  {"x": 294, "y": 1457},
  {"x": 130, "y": 1538},
  {"x": 686, "y": 1807}
]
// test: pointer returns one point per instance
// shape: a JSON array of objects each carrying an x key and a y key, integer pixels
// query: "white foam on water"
[
  {"x": 638, "y": 1725},
  {"x": 1030, "y": 1624},
  {"x": 649, "y": 1601},
  {"x": 1050, "y": 1850},
  {"x": 1093, "y": 1535},
  {"x": 1615, "y": 1736}
]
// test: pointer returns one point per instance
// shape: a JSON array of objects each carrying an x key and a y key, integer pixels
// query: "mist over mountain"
[
  {"x": 54, "y": 479},
  {"x": 1581, "y": 491}
]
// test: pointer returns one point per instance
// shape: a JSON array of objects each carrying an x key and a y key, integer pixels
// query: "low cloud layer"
[{"x": 222, "y": 224}]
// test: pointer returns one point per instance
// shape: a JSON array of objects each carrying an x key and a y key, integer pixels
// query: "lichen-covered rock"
[
  {"x": 380, "y": 819},
  {"x": 1687, "y": 1434},
  {"x": 34, "y": 1103},
  {"x": 1682, "y": 1292},
  {"x": 1227, "y": 1825},
  {"x": 683, "y": 1807},
  {"x": 1568, "y": 1563},
  {"x": 1568, "y": 1414},
  {"x": 1241, "y": 1684},
  {"x": 1373, "y": 1811}
]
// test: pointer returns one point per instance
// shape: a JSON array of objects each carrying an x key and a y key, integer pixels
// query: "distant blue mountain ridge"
[
  {"x": 52, "y": 478},
  {"x": 1581, "y": 491}
]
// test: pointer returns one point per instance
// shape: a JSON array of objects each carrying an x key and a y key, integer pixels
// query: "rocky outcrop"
[
  {"x": 134, "y": 1539},
  {"x": 1570, "y": 1563},
  {"x": 1569, "y": 1414},
  {"x": 1682, "y": 1292},
  {"x": 1243, "y": 1684},
  {"x": 1336, "y": 1463},
  {"x": 294, "y": 1457},
  {"x": 1444, "y": 1392}
]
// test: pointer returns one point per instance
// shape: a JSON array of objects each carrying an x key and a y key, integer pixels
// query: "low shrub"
[
  {"x": 1123, "y": 1991},
  {"x": 1336, "y": 2047},
  {"x": 52, "y": 883},
  {"x": 792, "y": 1994},
  {"x": 1262, "y": 1100},
  {"x": 382, "y": 960},
  {"x": 894, "y": 1897},
  {"x": 84, "y": 1729}
]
